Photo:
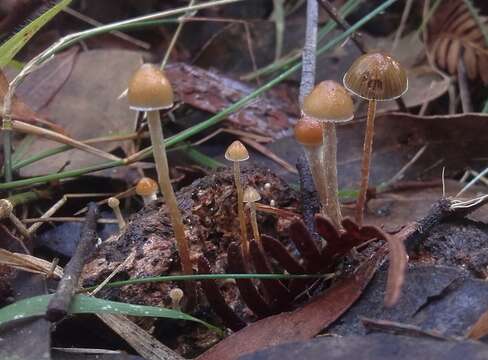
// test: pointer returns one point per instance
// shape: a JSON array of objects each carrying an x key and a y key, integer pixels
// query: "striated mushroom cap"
[
  {"x": 376, "y": 76},
  {"x": 236, "y": 152}
]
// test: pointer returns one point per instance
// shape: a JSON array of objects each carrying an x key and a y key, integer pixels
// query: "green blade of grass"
[
  {"x": 156, "y": 279},
  {"x": 185, "y": 134},
  {"x": 12, "y": 46},
  {"x": 81, "y": 304}
]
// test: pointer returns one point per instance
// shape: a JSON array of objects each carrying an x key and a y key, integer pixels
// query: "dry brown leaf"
[
  {"x": 454, "y": 34},
  {"x": 301, "y": 324},
  {"x": 480, "y": 328}
]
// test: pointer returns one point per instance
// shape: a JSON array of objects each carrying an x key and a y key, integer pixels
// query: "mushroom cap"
[
  {"x": 251, "y": 195},
  {"x": 308, "y": 131},
  {"x": 146, "y": 187},
  {"x": 149, "y": 89},
  {"x": 236, "y": 152},
  {"x": 376, "y": 76},
  {"x": 329, "y": 101},
  {"x": 113, "y": 202},
  {"x": 176, "y": 294}
]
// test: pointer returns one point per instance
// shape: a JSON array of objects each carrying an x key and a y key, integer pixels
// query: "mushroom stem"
[
  {"x": 254, "y": 223},
  {"x": 159, "y": 152},
  {"x": 315, "y": 156},
  {"x": 149, "y": 199},
  {"x": 333, "y": 206},
  {"x": 115, "y": 205},
  {"x": 240, "y": 210},
  {"x": 366, "y": 162}
]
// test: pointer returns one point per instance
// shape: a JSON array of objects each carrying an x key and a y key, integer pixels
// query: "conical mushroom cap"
[
  {"x": 236, "y": 152},
  {"x": 308, "y": 131},
  {"x": 113, "y": 202},
  {"x": 146, "y": 187},
  {"x": 329, "y": 101},
  {"x": 376, "y": 76},
  {"x": 251, "y": 195},
  {"x": 149, "y": 89}
]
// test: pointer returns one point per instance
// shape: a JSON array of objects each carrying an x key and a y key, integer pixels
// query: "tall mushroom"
[
  {"x": 373, "y": 77},
  {"x": 150, "y": 91},
  {"x": 237, "y": 152},
  {"x": 308, "y": 132},
  {"x": 330, "y": 104}
]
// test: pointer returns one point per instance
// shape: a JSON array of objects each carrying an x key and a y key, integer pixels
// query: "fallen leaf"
[
  {"x": 301, "y": 324},
  {"x": 268, "y": 115},
  {"x": 43, "y": 84},
  {"x": 86, "y": 106}
]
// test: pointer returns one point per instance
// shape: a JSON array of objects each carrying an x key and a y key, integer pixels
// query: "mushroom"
[
  {"x": 237, "y": 152},
  {"x": 150, "y": 91},
  {"x": 308, "y": 132},
  {"x": 250, "y": 197},
  {"x": 373, "y": 77},
  {"x": 330, "y": 104},
  {"x": 176, "y": 294},
  {"x": 147, "y": 188},
  {"x": 114, "y": 204}
]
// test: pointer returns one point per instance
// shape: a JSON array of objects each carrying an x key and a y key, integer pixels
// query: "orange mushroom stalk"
[
  {"x": 330, "y": 104},
  {"x": 373, "y": 77},
  {"x": 150, "y": 91}
]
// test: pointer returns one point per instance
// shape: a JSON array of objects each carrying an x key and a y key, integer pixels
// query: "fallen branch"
[{"x": 59, "y": 304}]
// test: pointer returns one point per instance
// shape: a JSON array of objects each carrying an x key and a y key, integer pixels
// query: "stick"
[
  {"x": 309, "y": 200},
  {"x": 309, "y": 50},
  {"x": 59, "y": 304}
]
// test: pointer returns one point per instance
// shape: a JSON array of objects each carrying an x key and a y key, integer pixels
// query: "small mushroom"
[
  {"x": 176, "y": 294},
  {"x": 149, "y": 90},
  {"x": 373, "y": 77},
  {"x": 308, "y": 132},
  {"x": 147, "y": 188},
  {"x": 250, "y": 197},
  {"x": 330, "y": 104},
  {"x": 114, "y": 204},
  {"x": 237, "y": 152}
]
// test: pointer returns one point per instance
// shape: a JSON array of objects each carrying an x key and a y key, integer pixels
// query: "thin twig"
[
  {"x": 334, "y": 14},
  {"x": 403, "y": 22},
  {"x": 59, "y": 305},
  {"x": 309, "y": 51},
  {"x": 175, "y": 36}
]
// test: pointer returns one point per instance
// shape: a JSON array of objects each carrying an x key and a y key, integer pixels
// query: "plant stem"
[
  {"x": 162, "y": 168},
  {"x": 7, "y": 153},
  {"x": 333, "y": 207},
  {"x": 366, "y": 163},
  {"x": 315, "y": 157},
  {"x": 240, "y": 210},
  {"x": 185, "y": 134},
  {"x": 309, "y": 56}
]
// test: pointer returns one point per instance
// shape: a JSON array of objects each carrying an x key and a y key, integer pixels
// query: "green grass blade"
[
  {"x": 12, "y": 46},
  {"x": 81, "y": 304}
]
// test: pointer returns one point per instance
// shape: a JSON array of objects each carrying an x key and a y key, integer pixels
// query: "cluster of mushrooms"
[{"x": 374, "y": 77}]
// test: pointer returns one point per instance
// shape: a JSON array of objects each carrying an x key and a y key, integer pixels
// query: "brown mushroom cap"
[
  {"x": 329, "y": 101},
  {"x": 146, "y": 187},
  {"x": 376, "y": 76},
  {"x": 308, "y": 131},
  {"x": 236, "y": 152},
  {"x": 251, "y": 195},
  {"x": 149, "y": 89}
]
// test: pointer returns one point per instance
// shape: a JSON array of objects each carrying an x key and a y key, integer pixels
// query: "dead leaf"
[
  {"x": 301, "y": 324},
  {"x": 480, "y": 328},
  {"x": 42, "y": 85},
  {"x": 210, "y": 91},
  {"x": 87, "y": 107},
  {"x": 453, "y": 35}
]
